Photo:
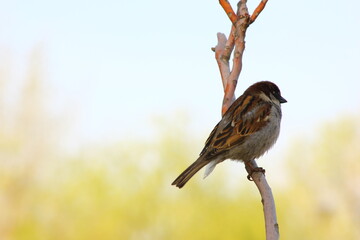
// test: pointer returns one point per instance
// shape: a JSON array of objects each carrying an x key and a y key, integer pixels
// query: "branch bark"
[
  {"x": 258, "y": 10},
  {"x": 230, "y": 78},
  {"x": 228, "y": 9},
  {"x": 267, "y": 200}
]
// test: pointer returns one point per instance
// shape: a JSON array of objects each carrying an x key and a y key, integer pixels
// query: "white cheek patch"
[{"x": 264, "y": 97}]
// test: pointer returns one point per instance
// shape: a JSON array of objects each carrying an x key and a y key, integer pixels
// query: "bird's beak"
[{"x": 280, "y": 98}]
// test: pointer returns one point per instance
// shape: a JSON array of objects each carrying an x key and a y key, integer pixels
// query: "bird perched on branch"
[{"x": 246, "y": 131}]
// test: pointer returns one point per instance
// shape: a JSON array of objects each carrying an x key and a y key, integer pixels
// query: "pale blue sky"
[{"x": 116, "y": 64}]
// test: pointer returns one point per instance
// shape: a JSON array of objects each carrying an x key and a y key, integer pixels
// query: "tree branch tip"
[
  {"x": 240, "y": 3},
  {"x": 221, "y": 37},
  {"x": 213, "y": 49}
]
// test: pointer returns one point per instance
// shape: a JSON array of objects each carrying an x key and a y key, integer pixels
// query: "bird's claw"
[{"x": 257, "y": 169}]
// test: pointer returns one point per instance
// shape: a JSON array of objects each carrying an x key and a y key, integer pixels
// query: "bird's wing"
[{"x": 237, "y": 124}]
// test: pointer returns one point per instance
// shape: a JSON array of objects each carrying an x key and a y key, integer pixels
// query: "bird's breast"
[{"x": 261, "y": 141}]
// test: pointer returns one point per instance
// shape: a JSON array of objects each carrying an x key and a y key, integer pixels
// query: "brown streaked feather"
[
  {"x": 238, "y": 126},
  {"x": 211, "y": 136},
  {"x": 185, "y": 176}
]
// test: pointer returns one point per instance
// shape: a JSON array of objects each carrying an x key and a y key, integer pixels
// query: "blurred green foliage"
[{"x": 122, "y": 191}]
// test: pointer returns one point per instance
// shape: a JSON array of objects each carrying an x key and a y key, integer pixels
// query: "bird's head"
[{"x": 267, "y": 90}]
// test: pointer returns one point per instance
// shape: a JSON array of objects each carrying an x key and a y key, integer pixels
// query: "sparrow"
[{"x": 247, "y": 130}]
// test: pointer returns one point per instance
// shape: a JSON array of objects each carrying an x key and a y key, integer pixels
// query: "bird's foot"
[{"x": 252, "y": 170}]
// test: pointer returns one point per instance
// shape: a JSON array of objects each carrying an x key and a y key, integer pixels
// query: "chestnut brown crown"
[{"x": 268, "y": 88}]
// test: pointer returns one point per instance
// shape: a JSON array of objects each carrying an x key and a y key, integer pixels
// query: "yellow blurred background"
[
  {"x": 121, "y": 190},
  {"x": 104, "y": 103}
]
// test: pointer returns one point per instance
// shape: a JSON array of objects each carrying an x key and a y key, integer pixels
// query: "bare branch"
[
  {"x": 271, "y": 224},
  {"x": 228, "y": 9},
  {"x": 229, "y": 79},
  {"x": 258, "y": 10},
  {"x": 241, "y": 25}
]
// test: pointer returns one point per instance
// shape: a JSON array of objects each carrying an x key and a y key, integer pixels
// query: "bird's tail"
[{"x": 185, "y": 176}]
